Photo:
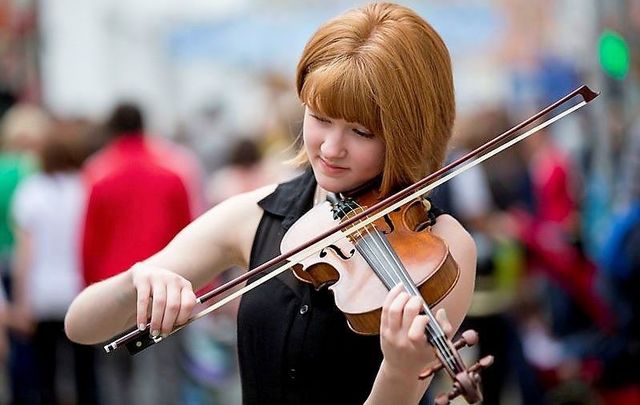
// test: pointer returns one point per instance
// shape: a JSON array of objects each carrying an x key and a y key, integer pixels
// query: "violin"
[
  {"x": 391, "y": 227},
  {"x": 397, "y": 249}
]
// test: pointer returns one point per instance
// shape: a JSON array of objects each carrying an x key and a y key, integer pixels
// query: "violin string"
[
  {"x": 436, "y": 332},
  {"x": 397, "y": 273},
  {"x": 374, "y": 263},
  {"x": 392, "y": 277},
  {"x": 394, "y": 274}
]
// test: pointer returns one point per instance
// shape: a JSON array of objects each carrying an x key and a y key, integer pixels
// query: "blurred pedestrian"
[
  {"x": 620, "y": 263},
  {"x": 215, "y": 338},
  {"x": 22, "y": 133},
  {"x": 132, "y": 192},
  {"x": 47, "y": 210},
  {"x": 552, "y": 234},
  {"x": 564, "y": 317},
  {"x": 21, "y": 136},
  {"x": 500, "y": 263},
  {"x": 245, "y": 170}
]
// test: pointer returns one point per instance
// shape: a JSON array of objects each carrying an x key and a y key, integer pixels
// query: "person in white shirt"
[{"x": 47, "y": 210}]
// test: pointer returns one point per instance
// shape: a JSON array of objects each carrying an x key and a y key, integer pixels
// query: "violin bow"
[{"x": 136, "y": 340}]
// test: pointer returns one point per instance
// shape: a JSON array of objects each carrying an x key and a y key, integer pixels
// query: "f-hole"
[
  {"x": 389, "y": 223},
  {"x": 337, "y": 251}
]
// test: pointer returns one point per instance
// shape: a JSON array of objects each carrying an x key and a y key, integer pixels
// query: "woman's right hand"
[{"x": 162, "y": 294}]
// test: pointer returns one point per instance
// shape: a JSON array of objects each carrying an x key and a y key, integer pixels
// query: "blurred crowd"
[
  {"x": 86, "y": 200},
  {"x": 556, "y": 220}
]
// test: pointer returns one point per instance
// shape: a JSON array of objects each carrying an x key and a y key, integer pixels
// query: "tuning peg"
[
  {"x": 481, "y": 364},
  {"x": 470, "y": 381},
  {"x": 468, "y": 338},
  {"x": 430, "y": 370},
  {"x": 444, "y": 399},
  {"x": 465, "y": 384},
  {"x": 471, "y": 398}
]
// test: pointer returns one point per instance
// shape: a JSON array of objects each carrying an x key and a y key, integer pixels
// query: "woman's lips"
[{"x": 331, "y": 168}]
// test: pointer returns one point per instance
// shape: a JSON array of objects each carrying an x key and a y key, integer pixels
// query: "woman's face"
[{"x": 343, "y": 155}]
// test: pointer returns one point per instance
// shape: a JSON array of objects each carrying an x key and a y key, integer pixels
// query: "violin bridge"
[{"x": 425, "y": 202}]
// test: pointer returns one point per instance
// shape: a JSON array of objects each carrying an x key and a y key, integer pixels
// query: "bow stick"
[{"x": 137, "y": 340}]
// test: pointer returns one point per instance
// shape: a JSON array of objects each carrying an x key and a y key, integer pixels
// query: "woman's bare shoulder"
[
  {"x": 252, "y": 197},
  {"x": 449, "y": 225},
  {"x": 460, "y": 242},
  {"x": 463, "y": 249},
  {"x": 238, "y": 210},
  {"x": 218, "y": 239},
  {"x": 236, "y": 220}
]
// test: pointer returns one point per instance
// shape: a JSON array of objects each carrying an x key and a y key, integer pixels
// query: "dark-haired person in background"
[{"x": 132, "y": 192}]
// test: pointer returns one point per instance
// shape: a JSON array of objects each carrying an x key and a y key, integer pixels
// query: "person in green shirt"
[
  {"x": 21, "y": 132},
  {"x": 13, "y": 168}
]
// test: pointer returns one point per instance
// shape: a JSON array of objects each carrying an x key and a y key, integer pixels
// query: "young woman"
[{"x": 377, "y": 87}]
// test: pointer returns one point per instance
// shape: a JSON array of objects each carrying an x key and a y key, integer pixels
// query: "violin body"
[{"x": 358, "y": 291}]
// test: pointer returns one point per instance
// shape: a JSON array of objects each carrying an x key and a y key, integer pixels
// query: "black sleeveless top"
[{"x": 294, "y": 345}]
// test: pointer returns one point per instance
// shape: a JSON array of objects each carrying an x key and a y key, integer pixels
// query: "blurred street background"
[{"x": 556, "y": 218}]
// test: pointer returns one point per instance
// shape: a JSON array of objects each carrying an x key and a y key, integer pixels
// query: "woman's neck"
[{"x": 319, "y": 196}]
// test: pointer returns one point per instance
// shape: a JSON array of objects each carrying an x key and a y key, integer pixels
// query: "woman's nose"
[{"x": 333, "y": 145}]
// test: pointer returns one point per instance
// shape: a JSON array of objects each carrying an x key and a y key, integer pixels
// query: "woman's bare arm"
[{"x": 219, "y": 239}]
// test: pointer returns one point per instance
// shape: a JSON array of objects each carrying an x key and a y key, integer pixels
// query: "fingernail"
[
  {"x": 141, "y": 326},
  {"x": 155, "y": 333}
]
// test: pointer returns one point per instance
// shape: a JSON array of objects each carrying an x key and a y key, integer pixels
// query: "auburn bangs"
[{"x": 341, "y": 90}]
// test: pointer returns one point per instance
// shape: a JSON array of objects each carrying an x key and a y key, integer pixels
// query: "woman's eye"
[
  {"x": 321, "y": 119},
  {"x": 362, "y": 133}
]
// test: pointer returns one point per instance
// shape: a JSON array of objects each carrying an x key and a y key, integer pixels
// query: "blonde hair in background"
[
  {"x": 385, "y": 67},
  {"x": 24, "y": 127}
]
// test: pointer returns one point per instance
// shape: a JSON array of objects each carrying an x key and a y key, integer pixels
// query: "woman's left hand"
[{"x": 402, "y": 333}]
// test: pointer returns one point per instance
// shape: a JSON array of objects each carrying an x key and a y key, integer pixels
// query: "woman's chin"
[{"x": 332, "y": 186}]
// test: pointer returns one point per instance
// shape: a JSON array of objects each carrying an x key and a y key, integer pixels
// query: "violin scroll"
[{"x": 466, "y": 382}]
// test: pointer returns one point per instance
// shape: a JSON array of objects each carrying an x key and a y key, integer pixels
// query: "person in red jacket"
[
  {"x": 129, "y": 190},
  {"x": 136, "y": 204}
]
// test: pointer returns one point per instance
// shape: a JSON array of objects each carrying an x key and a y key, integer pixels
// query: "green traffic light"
[{"x": 614, "y": 54}]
